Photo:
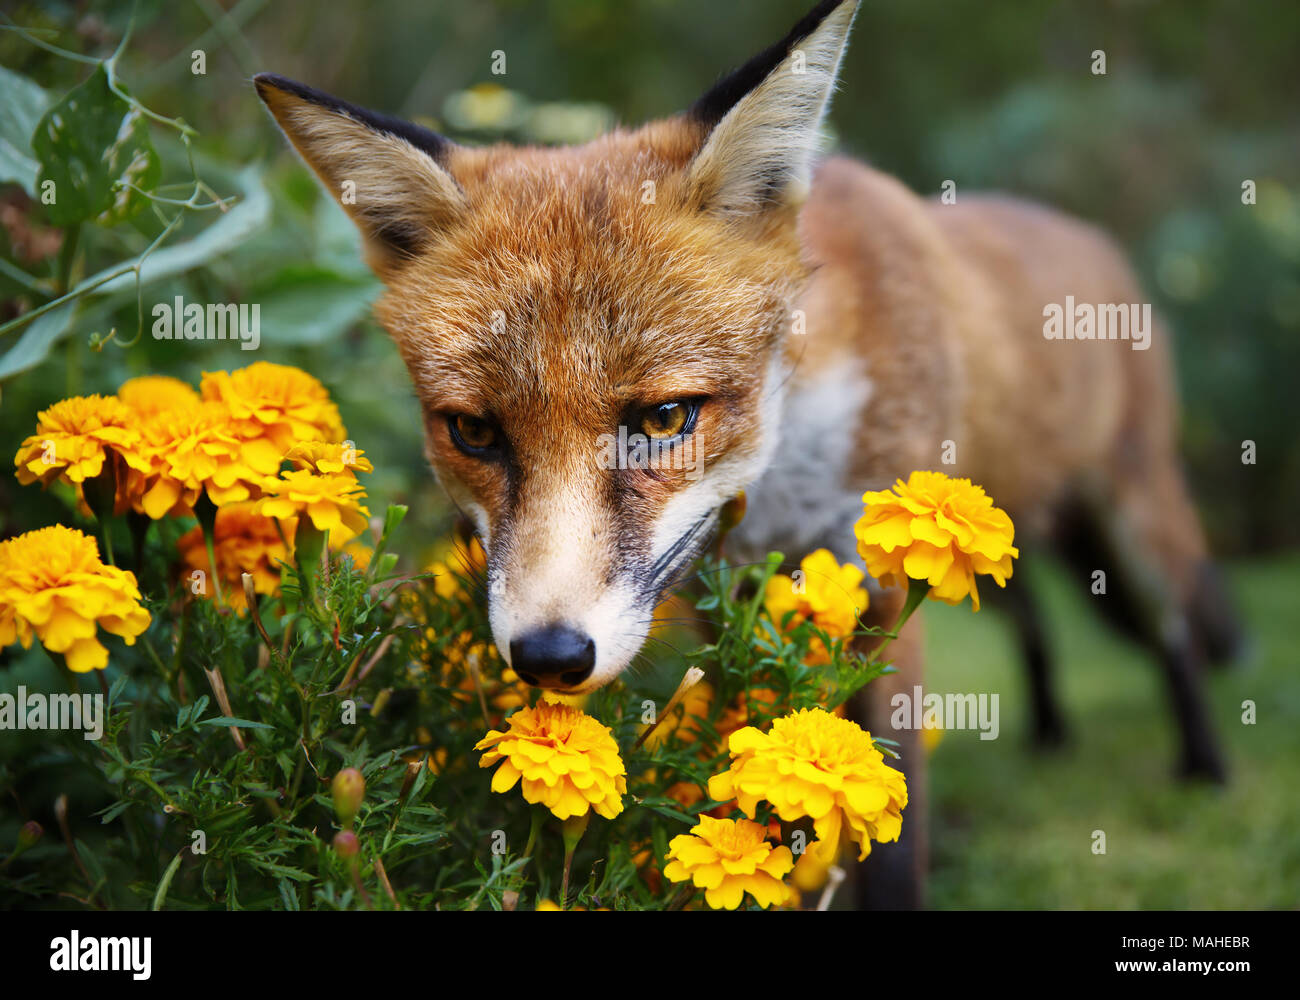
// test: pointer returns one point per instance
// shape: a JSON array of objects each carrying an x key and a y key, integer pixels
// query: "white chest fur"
[{"x": 803, "y": 500}]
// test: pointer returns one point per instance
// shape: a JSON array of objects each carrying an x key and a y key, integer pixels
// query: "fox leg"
[
  {"x": 1144, "y": 534},
  {"x": 1018, "y": 601},
  {"x": 893, "y": 875}
]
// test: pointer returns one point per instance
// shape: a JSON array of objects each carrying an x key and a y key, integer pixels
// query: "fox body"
[{"x": 811, "y": 328}]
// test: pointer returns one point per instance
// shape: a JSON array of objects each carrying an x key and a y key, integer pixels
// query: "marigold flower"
[
  {"x": 815, "y": 764},
  {"x": 54, "y": 586},
  {"x": 74, "y": 438},
  {"x": 828, "y": 594},
  {"x": 183, "y": 451},
  {"x": 728, "y": 858},
  {"x": 937, "y": 529},
  {"x": 243, "y": 542},
  {"x": 331, "y": 500},
  {"x": 150, "y": 394},
  {"x": 273, "y": 407},
  {"x": 329, "y": 457},
  {"x": 568, "y": 761}
]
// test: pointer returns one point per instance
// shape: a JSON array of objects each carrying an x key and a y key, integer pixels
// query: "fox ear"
[
  {"x": 389, "y": 175},
  {"x": 763, "y": 119}
]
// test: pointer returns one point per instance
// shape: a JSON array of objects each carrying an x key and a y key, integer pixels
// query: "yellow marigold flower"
[
  {"x": 243, "y": 542},
  {"x": 827, "y": 593},
  {"x": 53, "y": 585},
  {"x": 184, "y": 451},
  {"x": 568, "y": 761},
  {"x": 328, "y": 457},
  {"x": 331, "y": 500},
  {"x": 274, "y": 407},
  {"x": 812, "y": 870},
  {"x": 74, "y": 438},
  {"x": 940, "y": 530},
  {"x": 815, "y": 764},
  {"x": 150, "y": 394},
  {"x": 728, "y": 858}
]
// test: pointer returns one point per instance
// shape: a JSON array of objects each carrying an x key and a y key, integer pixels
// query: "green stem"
[
  {"x": 206, "y": 512},
  {"x": 212, "y": 567},
  {"x": 535, "y": 828},
  {"x": 68, "y": 258},
  {"x": 917, "y": 591},
  {"x": 108, "y": 540}
]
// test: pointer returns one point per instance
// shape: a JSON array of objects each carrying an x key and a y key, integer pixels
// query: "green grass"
[{"x": 1012, "y": 828}]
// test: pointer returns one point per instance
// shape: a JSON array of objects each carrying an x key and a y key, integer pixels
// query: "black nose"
[{"x": 555, "y": 656}]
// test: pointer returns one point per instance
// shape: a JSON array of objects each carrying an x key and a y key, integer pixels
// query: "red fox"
[{"x": 707, "y": 288}]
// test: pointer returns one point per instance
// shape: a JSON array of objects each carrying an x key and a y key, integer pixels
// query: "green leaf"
[
  {"x": 297, "y": 874},
  {"x": 35, "y": 343},
  {"x": 287, "y": 895},
  {"x": 228, "y": 232},
  {"x": 23, "y": 105},
  {"x": 312, "y": 305},
  {"x": 226, "y": 720},
  {"x": 86, "y": 144},
  {"x": 115, "y": 810}
]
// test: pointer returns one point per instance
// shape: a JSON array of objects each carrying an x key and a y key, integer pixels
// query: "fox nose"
[{"x": 554, "y": 656}]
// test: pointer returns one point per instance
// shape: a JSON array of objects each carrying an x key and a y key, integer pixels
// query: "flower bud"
[
  {"x": 349, "y": 788},
  {"x": 250, "y": 593},
  {"x": 346, "y": 844},
  {"x": 573, "y": 829},
  {"x": 30, "y": 833}
]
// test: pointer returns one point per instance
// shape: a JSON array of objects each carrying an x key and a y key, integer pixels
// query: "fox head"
[{"x": 597, "y": 335}]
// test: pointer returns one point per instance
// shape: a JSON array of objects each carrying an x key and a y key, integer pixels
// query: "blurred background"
[{"x": 1198, "y": 97}]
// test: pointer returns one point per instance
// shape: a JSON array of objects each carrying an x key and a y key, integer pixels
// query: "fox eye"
[
  {"x": 472, "y": 435},
  {"x": 668, "y": 420}
]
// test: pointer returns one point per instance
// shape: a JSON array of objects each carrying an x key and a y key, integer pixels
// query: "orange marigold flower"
[
  {"x": 567, "y": 760},
  {"x": 243, "y": 542},
  {"x": 150, "y": 394},
  {"x": 182, "y": 452},
  {"x": 728, "y": 858},
  {"x": 54, "y": 586},
  {"x": 328, "y": 457},
  {"x": 74, "y": 438},
  {"x": 273, "y": 407},
  {"x": 937, "y": 529}
]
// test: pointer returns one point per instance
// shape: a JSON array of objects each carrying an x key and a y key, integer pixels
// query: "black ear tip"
[
  {"x": 264, "y": 83},
  {"x": 724, "y": 94}
]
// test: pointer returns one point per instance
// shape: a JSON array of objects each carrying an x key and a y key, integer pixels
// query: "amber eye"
[
  {"x": 667, "y": 420},
  {"x": 472, "y": 435}
]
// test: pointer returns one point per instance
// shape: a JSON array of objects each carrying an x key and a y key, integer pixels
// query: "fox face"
[{"x": 597, "y": 335}]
